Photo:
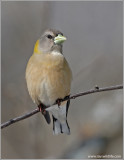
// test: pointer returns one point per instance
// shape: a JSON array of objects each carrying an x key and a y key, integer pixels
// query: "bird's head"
[{"x": 50, "y": 41}]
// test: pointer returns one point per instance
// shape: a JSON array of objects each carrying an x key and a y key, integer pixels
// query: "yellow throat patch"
[{"x": 36, "y": 48}]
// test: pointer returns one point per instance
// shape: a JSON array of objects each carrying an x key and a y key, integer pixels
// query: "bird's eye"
[{"x": 49, "y": 36}]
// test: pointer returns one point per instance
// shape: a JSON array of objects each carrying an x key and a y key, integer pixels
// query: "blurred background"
[{"x": 94, "y": 50}]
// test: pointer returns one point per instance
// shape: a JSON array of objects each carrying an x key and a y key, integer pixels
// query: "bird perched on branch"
[{"x": 48, "y": 77}]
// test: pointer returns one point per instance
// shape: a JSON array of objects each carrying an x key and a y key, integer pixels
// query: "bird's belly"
[
  {"x": 48, "y": 80},
  {"x": 53, "y": 86},
  {"x": 44, "y": 93}
]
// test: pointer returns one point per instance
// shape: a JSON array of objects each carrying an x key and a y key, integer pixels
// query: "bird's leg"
[
  {"x": 67, "y": 97},
  {"x": 42, "y": 108},
  {"x": 58, "y": 101}
]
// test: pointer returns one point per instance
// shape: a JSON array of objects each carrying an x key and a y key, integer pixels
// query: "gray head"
[{"x": 51, "y": 40}]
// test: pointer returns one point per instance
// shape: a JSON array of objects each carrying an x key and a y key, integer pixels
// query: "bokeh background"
[{"x": 94, "y": 50}]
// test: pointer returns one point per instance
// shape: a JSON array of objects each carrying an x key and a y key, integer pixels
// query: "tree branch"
[{"x": 96, "y": 89}]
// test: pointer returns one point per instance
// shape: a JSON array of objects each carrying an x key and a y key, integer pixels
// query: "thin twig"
[{"x": 96, "y": 89}]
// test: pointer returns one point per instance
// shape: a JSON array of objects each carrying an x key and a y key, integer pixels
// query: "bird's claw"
[
  {"x": 58, "y": 101},
  {"x": 43, "y": 111}
]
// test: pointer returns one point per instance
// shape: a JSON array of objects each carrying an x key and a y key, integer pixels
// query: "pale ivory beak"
[{"x": 59, "y": 39}]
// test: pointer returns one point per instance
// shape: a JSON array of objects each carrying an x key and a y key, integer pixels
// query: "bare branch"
[
  {"x": 11, "y": 121},
  {"x": 96, "y": 89}
]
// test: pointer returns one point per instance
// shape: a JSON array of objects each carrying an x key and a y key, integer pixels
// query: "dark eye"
[{"x": 49, "y": 36}]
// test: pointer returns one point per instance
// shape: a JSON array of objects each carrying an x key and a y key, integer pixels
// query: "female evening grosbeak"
[{"x": 48, "y": 77}]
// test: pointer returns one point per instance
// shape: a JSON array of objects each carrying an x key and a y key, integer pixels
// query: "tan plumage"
[{"x": 48, "y": 78}]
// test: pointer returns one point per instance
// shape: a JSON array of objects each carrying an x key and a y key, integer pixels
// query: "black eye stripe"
[{"x": 49, "y": 36}]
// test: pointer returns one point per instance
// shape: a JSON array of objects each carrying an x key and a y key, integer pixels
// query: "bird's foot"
[
  {"x": 58, "y": 101},
  {"x": 67, "y": 97},
  {"x": 42, "y": 109}
]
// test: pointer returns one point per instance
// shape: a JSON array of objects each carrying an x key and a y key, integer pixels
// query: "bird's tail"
[
  {"x": 59, "y": 127},
  {"x": 59, "y": 114}
]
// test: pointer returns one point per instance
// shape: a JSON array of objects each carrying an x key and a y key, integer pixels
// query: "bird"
[{"x": 49, "y": 77}]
